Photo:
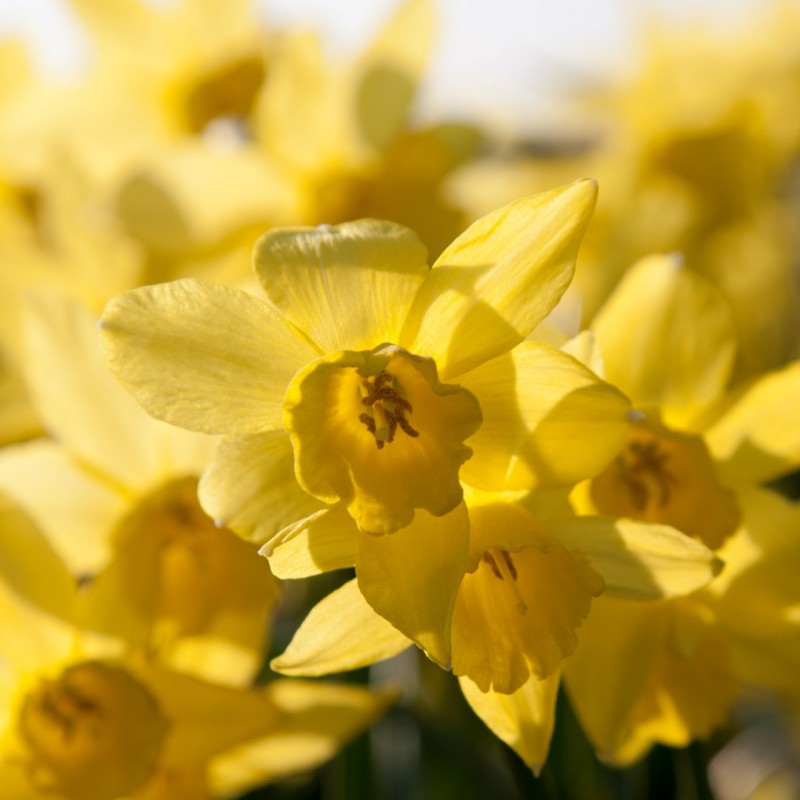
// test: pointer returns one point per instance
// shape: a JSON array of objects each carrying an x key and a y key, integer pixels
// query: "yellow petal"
[
  {"x": 667, "y": 338},
  {"x": 378, "y": 431},
  {"x": 206, "y": 718},
  {"x": 524, "y": 719},
  {"x": 70, "y": 505},
  {"x": 15, "y": 784},
  {"x": 347, "y": 287},
  {"x": 328, "y": 541},
  {"x": 411, "y": 577},
  {"x": 637, "y": 560},
  {"x": 190, "y": 197},
  {"x": 389, "y": 71},
  {"x": 547, "y": 420},
  {"x": 499, "y": 279},
  {"x": 37, "y": 595},
  {"x": 635, "y": 634},
  {"x": 685, "y": 699},
  {"x": 203, "y": 357},
  {"x": 80, "y": 402},
  {"x": 250, "y": 486},
  {"x": 757, "y": 437},
  {"x": 340, "y": 633},
  {"x": 318, "y": 720},
  {"x": 517, "y": 614}
]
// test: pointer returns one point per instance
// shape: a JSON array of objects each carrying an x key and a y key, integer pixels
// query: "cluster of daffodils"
[{"x": 189, "y": 443}]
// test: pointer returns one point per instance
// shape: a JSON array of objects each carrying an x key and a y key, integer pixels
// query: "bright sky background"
[{"x": 502, "y": 57}]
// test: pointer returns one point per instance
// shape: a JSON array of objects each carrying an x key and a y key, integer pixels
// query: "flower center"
[
  {"x": 344, "y": 410},
  {"x": 387, "y": 409},
  {"x": 94, "y": 732},
  {"x": 667, "y": 477}
]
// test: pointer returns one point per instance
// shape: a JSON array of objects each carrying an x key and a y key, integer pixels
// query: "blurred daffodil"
[
  {"x": 120, "y": 504},
  {"x": 79, "y": 723},
  {"x": 687, "y": 462}
]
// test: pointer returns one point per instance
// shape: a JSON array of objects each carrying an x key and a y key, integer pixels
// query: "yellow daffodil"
[
  {"x": 687, "y": 462},
  {"x": 81, "y": 724},
  {"x": 116, "y": 493},
  {"x": 339, "y": 399}
]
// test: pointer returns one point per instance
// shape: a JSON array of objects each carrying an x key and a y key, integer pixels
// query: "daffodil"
[
  {"x": 81, "y": 721},
  {"x": 339, "y": 400},
  {"x": 116, "y": 493},
  {"x": 688, "y": 463}
]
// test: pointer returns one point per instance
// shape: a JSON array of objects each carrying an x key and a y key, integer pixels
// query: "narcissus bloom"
[
  {"x": 691, "y": 461},
  {"x": 79, "y": 723},
  {"x": 369, "y": 385}
]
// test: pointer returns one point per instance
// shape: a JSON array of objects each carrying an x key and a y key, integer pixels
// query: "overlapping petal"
[
  {"x": 346, "y": 287},
  {"x": 499, "y": 279},
  {"x": 547, "y": 420},
  {"x": 667, "y": 338},
  {"x": 342, "y": 632},
  {"x": 524, "y": 719},
  {"x": 411, "y": 577},
  {"x": 202, "y": 356}
]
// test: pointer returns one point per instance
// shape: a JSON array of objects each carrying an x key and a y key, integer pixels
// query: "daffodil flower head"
[{"x": 93, "y": 732}]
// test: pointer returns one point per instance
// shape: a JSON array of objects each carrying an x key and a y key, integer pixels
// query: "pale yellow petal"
[
  {"x": 499, "y": 279},
  {"x": 37, "y": 595},
  {"x": 757, "y": 437},
  {"x": 388, "y": 73},
  {"x": 639, "y": 560},
  {"x": 348, "y": 287},
  {"x": 340, "y": 633},
  {"x": 524, "y": 720},
  {"x": 328, "y": 541},
  {"x": 70, "y": 505},
  {"x": 203, "y": 357},
  {"x": 547, "y": 420},
  {"x": 250, "y": 486},
  {"x": 667, "y": 338},
  {"x": 80, "y": 402},
  {"x": 411, "y": 577},
  {"x": 318, "y": 720}
]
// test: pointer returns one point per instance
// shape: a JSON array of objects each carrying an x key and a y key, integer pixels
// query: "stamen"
[
  {"x": 388, "y": 409},
  {"x": 644, "y": 472},
  {"x": 504, "y": 569}
]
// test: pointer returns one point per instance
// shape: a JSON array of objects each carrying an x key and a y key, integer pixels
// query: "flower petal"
[
  {"x": 667, "y": 338},
  {"x": 340, "y": 633},
  {"x": 524, "y": 719},
  {"x": 547, "y": 420},
  {"x": 72, "y": 507},
  {"x": 757, "y": 437},
  {"x": 346, "y": 287},
  {"x": 327, "y": 542},
  {"x": 638, "y": 560},
  {"x": 250, "y": 486},
  {"x": 499, "y": 279},
  {"x": 203, "y": 357},
  {"x": 317, "y": 720},
  {"x": 80, "y": 402},
  {"x": 634, "y": 633},
  {"x": 37, "y": 595},
  {"x": 411, "y": 577}
]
